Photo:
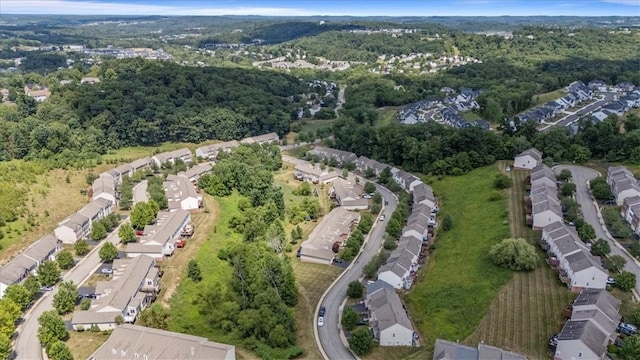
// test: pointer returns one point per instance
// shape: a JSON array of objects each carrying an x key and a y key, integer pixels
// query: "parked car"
[
  {"x": 180, "y": 244},
  {"x": 320, "y": 321},
  {"x": 46, "y": 288},
  {"x": 298, "y": 252},
  {"x": 90, "y": 296},
  {"x": 627, "y": 329},
  {"x": 386, "y": 203},
  {"x": 553, "y": 342},
  {"x": 322, "y": 311},
  {"x": 366, "y": 196},
  {"x": 381, "y": 218},
  {"x": 106, "y": 271},
  {"x": 611, "y": 280}
]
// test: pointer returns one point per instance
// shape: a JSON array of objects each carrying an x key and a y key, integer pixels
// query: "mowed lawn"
[
  {"x": 529, "y": 310},
  {"x": 460, "y": 282}
]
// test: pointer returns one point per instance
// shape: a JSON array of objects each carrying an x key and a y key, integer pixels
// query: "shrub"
[
  {"x": 447, "y": 222},
  {"x": 354, "y": 290},
  {"x": 350, "y": 318},
  {"x": 496, "y": 195},
  {"x": 626, "y": 281},
  {"x": 515, "y": 254},
  {"x": 502, "y": 181}
]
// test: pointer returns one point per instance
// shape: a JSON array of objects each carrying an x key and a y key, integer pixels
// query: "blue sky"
[{"x": 325, "y": 7}]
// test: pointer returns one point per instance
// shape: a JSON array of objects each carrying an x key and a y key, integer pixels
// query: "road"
[
  {"x": 329, "y": 335},
  {"x": 140, "y": 192},
  {"x": 340, "y": 102},
  {"x": 580, "y": 176},
  {"x": 27, "y": 346}
]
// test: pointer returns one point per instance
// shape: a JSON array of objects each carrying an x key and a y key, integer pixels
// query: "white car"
[
  {"x": 320, "y": 321},
  {"x": 381, "y": 218}
]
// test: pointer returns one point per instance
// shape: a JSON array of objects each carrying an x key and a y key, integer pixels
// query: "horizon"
[{"x": 333, "y": 8}]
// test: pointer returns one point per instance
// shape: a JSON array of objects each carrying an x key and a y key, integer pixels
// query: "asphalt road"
[
  {"x": 27, "y": 346},
  {"x": 580, "y": 175},
  {"x": 340, "y": 102},
  {"x": 140, "y": 192}
]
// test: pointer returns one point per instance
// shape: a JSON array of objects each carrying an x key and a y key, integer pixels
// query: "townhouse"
[
  {"x": 402, "y": 264},
  {"x": 591, "y": 328},
  {"x": 348, "y": 194},
  {"x": 183, "y": 154},
  {"x": 630, "y": 211},
  {"x": 449, "y": 350},
  {"x": 159, "y": 240},
  {"x": 210, "y": 152},
  {"x": 423, "y": 194},
  {"x": 328, "y": 154},
  {"x": 141, "y": 164},
  {"x": 181, "y": 194},
  {"x": 104, "y": 188},
  {"x": 543, "y": 174},
  {"x": 334, "y": 228},
  {"x": 528, "y": 159},
  {"x": 314, "y": 173},
  {"x": 388, "y": 318},
  {"x": 97, "y": 210},
  {"x": 623, "y": 183},
  {"x": 73, "y": 228},
  {"x": 418, "y": 223},
  {"x": 261, "y": 139},
  {"x": 545, "y": 205},
  {"x": 133, "y": 342},
  {"x": 197, "y": 171},
  {"x": 364, "y": 164},
  {"x": 133, "y": 287}
]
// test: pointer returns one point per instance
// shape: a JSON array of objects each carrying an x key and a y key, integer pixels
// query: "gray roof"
[
  {"x": 74, "y": 221},
  {"x": 95, "y": 207},
  {"x": 606, "y": 324},
  {"x": 632, "y": 200},
  {"x": 335, "y": 226},
  {"x": 211, "y": 151},
  {"x": 260, "y": 139},
  {"x": 541, "y": 172},
  {"x": 399, "y": 262},
  {"x": 601, "y": 298},
  {"x": 170, "y": 155},
  {"x": 388, "y": 309},
  {"x": 411, "y": 244},
  {"x": 132, "y": 342},
  {"x": 376, "y": 286},
  {"x": 198, "y": 170},
  {"x": 448, "y": 350},
  {"x": 533, "y": 152},
  {"x": 167, "y": 228},
  {"x": 553, "y": 227},
  {"x": 583, "y": 260},
  {"x": 566, "y": 245},
  {"x": 140, "y": 163},
  {"x": 587, "y": 332},
  {"x": 423, "y": 192},
  {"x": 42, "y": 248},
  {"x": 339, "y": 155},
  {"x": 177, "y": 189},
  {"x": 16, "y": 269},
  {"x": 488, "y": 352}
]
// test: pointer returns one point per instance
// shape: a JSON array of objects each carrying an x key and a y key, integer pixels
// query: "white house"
[
  {"x": 210, "y": 152},
  {"x": 623, "y": 183},
  {"x": 183, "y": 154},
  {"x": 397, "y": 271},
  {"x": 543, "y": 174},
  {"x": 348, "y": 194},
  {"x": 585, "y": 271},
  {"x": 528, "y": 159},
  {"x": 546, "y": 212},
  {"x": 391, "y": 325},
  {"x": 581, "y": 340},
  {"x": 103, "y": 188},
  {"x": 181, "y": 194},
  {"x": 97, "y": 209},
  {"x": 73, "y": 228},
  {"x": 314, "y": 173}
]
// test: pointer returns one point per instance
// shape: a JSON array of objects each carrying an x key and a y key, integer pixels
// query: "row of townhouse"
[
  {"x": 330, "y": 234},
  {"x": 348, "y": 194},
  {"x": 591, "y": 328},
  {"x": 577, "y": 93},
  {"x": 159, "y": 240},
  {"x": 107, "y": 184},
  {"x": 630, "y": 211},
  {"x": 449, "y": 350},
  {"x": 210, "y": 152},
  {"x": 387, "y": 316},
  {"x": 26, "y": 263},
  {"x": 577, "y": 267},
  {"x": 623, "y": 183},
  {"x": 132, "y": 288},
  {"x": 545, "y": 204},
  {"x": 338, "y": 156},
  {"x": 78, "y": 226},
  {"x": 315, "y": 173}
]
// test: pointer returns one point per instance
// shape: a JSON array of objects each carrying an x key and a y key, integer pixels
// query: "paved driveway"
[{"x": 580, "y": 176}]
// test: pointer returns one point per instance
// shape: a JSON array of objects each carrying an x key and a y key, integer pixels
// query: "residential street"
[
  {"x": 140, "y": 192},
  {"x": 580, "y": 175},
  {"x": 340, "y": 102},
  {"x": 27, "y": 346},
  {"x": 329, "y": 336}
]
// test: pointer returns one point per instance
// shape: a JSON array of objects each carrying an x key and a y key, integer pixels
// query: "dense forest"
[{"x": 145, "y": 103}]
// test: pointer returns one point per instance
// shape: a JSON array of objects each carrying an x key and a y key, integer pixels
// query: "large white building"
[
  {"x": 181, "y": 194},
  {"x": 389, "y": 320},
  {"x": 528, "y": 159},
  {"x": 159, "y": 240},
  {"x": 623, "y": 183}
]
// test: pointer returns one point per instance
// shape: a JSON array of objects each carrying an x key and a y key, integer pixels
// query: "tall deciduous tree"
[
  {"x": 65, "y": 259},
  {"x": 48, "y": 273},
  {"x": 361, "y": 341},
  {"x": 515, "y": 254},
  {"x": 65, "y": 298},
  {"x": 108, "y": 252},
  {"x": 19, "y": 295},
  {"x": 615, "y": 263},
  {"x": 601, "y": 248},
  {"x": 126, "y": 233},
  {"x": 52, "y": 328},
  {"x": 59, "y": 351},
  {"x": 350, "y": 318},
  {"x": 81, "y": 247}
]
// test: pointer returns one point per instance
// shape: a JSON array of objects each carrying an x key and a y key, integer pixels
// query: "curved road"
[
  {"x": 27, "y": 346},
  {"x": 580, "y": 175}
]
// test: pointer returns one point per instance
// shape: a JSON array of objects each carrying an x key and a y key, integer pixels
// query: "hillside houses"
[
  {"x": 131, "y": 289},
  {"x": 314, "y": 173},
  {"x": 388, "y": 318},
  {"x": 543, "y": 204},
  {"x": 261, "y": 139},
  {"x": 364, "y": 165},
  {"x": 577, "y": 268},
  {"x": 577, "y": 93},
  {"x": 133, "y": 342},
  {"x": 26, "y": 263},
  {"x": 348, "y": 194},
  {"x": 78, "y": 225},
  {"x": 332, "y": 156},
  {"x": 38, "y": 92},
  {"x": 159, "y": 240},
  {"x": 592, "y": 326},
  {"x": 623, "y": 183}
]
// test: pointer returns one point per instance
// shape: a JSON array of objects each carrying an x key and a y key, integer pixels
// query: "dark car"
[
  {"x": 553, "y": 342},
  {"x": 322, "y": 311}
]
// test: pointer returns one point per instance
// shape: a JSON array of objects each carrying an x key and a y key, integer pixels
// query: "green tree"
[
  {"x": 447, "y": 222},
  {"x": 108, "y": 252},
  {"x": 81, "y": 247},
  {"x": 635, "y": 316},
  {"x": 586, "y": 232},
  {"x": 98, "y": 231},
  {"x": 193, "y": 271},
  {"x": 59, "y": 351},
  {"x": 568, "y": 189},
  {"x": 601, "y": 248},
  {"x": 65, "y": 260},
  {"x": 126, "y": 233},
  {"x": 502, "y": 181},
  {"x": 155, "y": 316},
  {"x": 515, "y": 254},
  {"x": 361, "y": 341},
  {"x": 48, "y": 273},
  {"x": 631, "y": 347},
  {"x": 600, "y": 189},
  {"x": 350, "y": 318},
  {"x": 51, "y": 328},
  {"x": 33, "y": 285},
  {"x": 394, "y": 228},
  {"x": 564, "y": 175},
  {"x": 615, "y": 263},
  {"x": 354, "y": 290},
  {"x": 19, "y": 294},
  {"x": 5, "y": 347},
  {"x": 626, "y": 280},
  {"x": 65, "y": 298},
  {"x": 143, "y": 214},
  {"x": 369, "y": 187}
]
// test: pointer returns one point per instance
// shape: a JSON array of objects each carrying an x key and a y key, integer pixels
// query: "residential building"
[
  {"x": 389, "y": 320},
  {"x": 183, "y": 154},
  {"x": 210, "y": 152},
  {"x": 181, "y": 194},
  {"x": 133, "y": 342},
  {"x": 543, "y": 174},
  {"x": 423, "y": 194},
  {"x": 315, "y": 173},
  {"x": 418, "y": 223},
  {"x": 581, "y": 339},
  {"x": 262, "y": 139},
  {"x": 196, "y": 171},
  {"x": 449, "y": 350},
  {"x": 399, "y": 269},
  {"x": 141, "y": 164},
  {"x": 339, "y": 156},
  {"x": 73, "y": 228},
  {"x": 545, "y": 205},
  {"x": 133, "y": 287},
  {"x": 97, "y": 210},
  {"x": 43, "y": 249},
  {"x": 39, "y": 93},
  {"x": 89, "y": 80},
  {"x": 15, "y": 271},
  {"x": 363, "y": 163},
  {"x": 348, "y": 194},
  {"x": 599, "y": 306},
  {"x": 159, "y": 240},
  {"x": 528, "y": 159},
  {"x": 335, "y": 227},
  {"x": 630, "y": 211},
  {"x": 623, "y": 183},
  {"x": 103, "y": 188}
]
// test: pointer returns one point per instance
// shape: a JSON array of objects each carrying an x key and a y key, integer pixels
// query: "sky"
[{"x": 325, "y": 7}]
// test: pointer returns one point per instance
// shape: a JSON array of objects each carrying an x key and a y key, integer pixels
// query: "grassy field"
[
  {"x": 388, "y": 115},
  {"x": 309, "y": 125},
  {"x": 131, "y": 153},
  {"x": 460, "y": 282},
  {"x": 546, "y": 97},
  {"x": 83, "y": 344},
  {"x": 528, "y": 310},
  {"x": 471, "y": 116},
  {"x": 175, "y": 268}
]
